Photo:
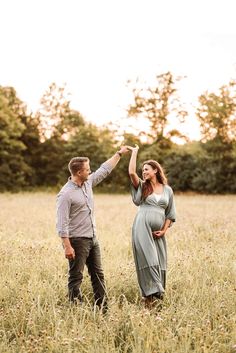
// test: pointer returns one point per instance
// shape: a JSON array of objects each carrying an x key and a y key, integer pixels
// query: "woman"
[{"x": 154, "y": 217}]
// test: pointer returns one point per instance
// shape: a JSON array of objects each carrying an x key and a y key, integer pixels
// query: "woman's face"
[{"x": 148, "y": 172}]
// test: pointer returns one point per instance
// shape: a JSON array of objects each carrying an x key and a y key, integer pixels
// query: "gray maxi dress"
[{"x": 150, "y": 254}]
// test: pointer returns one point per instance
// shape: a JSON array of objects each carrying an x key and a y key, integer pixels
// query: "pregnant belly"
[{"x": 155, "y": 219}]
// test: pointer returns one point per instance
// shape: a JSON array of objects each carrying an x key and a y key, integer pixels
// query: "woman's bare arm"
[{"x": 132, "y": 166}]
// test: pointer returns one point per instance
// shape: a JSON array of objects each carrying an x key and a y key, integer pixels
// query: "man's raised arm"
[{"x": 106, "y": 167}]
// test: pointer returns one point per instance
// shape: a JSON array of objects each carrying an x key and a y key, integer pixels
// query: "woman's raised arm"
[{"x": 132, "y": 165}]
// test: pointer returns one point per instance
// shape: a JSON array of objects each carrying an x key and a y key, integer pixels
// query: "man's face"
[{"x": 83, "y": 174}]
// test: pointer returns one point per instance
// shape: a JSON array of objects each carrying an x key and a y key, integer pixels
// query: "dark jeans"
[{"x": 87, "y": 251}]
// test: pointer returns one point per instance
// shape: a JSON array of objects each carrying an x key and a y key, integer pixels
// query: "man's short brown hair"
[{"x": 77, "y": 164}]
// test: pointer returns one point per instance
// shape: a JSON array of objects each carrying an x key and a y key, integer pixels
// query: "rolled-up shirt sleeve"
[
  {"x": 63, "y": 214},
  {"x": 100, "y": 174}
]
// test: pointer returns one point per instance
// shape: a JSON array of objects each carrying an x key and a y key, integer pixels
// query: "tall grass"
[{"x": 198, "y": 312}]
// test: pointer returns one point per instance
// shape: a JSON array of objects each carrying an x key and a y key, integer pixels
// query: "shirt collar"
[{"x": 72, "y": 182}]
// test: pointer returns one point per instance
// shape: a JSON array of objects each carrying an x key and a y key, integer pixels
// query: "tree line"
[{"x": 35, "y": 148}]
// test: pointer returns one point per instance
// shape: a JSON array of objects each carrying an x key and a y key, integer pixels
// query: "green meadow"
[{"x": 197, "y": 314}]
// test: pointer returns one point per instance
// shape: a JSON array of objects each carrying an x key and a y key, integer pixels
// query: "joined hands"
[
  {"x": 126, "y": 149},
  {"x": 133, "y": 149}
]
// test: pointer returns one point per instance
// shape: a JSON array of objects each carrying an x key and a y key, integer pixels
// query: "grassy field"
[{"x": 198, "y": 313}]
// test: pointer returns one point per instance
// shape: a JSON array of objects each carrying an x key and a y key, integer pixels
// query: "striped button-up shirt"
[{"x": 75, "y": 207}]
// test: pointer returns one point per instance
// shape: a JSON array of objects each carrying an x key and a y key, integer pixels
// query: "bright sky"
[{"x": 95, "y": 46}]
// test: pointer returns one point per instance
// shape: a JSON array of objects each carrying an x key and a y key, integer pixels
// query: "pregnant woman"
[{"x": 155, "y": 215}]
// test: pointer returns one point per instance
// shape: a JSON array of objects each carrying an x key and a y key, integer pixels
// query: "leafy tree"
[
  {"x": 58, "y": 123},
  {"x": 30, "y": 136},
  {"x": 55, "y": 115},
  {"x": 216, "y": 168},
  {"x": 155, "y": 104},
  {"x": 13, "y": 168},
  {"x": 93, "y": 142},
  {"x": 52, "y": 160},
  {"x": 33, "y": 151},
  {"x": 180, "y": 168},
  {"x": 217, "y": 114},
  {"x": 157, "y": 150}
]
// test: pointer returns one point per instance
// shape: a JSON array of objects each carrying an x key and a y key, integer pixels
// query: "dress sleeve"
[
  {"x": 170, "y": 212},
  {"x": 137, "y": 193}
]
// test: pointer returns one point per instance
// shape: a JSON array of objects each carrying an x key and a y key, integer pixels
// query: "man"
[{"x": 76, "y": 225}]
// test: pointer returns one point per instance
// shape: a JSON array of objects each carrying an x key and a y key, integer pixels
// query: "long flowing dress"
[{"x": 150, "y": 254}]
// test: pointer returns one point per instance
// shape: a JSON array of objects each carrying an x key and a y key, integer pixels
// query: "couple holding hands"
[{"x": 76, "y": 225}]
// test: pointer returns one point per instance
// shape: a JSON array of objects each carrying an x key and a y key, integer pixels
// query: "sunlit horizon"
[{"x": 96, "y": 47}]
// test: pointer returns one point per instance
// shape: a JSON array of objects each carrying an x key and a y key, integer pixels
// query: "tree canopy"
[{"x": 35, "y": 148}]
